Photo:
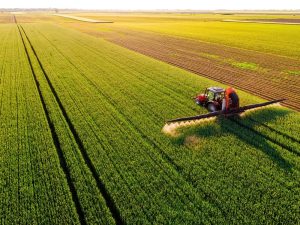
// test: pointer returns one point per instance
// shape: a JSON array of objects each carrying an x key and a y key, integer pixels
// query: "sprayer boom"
[{"x": 226, "y": 113}]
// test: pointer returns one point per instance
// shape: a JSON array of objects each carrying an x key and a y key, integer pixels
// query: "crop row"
[{"x": 124, "y": 99}]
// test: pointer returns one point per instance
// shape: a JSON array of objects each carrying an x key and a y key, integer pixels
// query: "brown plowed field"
[
  {"x": 269, "y": 80},
  {"x": 279, "y": 20}
]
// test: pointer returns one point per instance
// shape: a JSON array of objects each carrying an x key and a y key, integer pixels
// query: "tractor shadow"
[{"x": 232, "y": 126}]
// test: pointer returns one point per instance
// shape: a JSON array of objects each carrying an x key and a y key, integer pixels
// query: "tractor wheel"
[
  {"x": 211, "y": 107},
  {"x": 234, "y": 100}
]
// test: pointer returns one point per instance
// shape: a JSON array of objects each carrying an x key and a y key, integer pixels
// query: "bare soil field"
[
  {"x": 268, "y": 21},
  {"x": 273, "y": 77},
  {"x": 6, "y": 18}
]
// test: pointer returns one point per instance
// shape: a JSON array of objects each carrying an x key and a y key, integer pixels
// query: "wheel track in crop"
[
  {"x": 282, "y": 145},
  {"x": 108, "y": 199},
  {"x": 110, "y": 203},
  {"x": 33, "y": 165},
  {"x": 276, "y": 131},
  {"x": 62, "y": 160},
  {"x": 31, "y": 69}
]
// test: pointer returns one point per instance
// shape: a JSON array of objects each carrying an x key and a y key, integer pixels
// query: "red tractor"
[
  {"x": 221, "y": 102},
  {"x": 216, "y": 99}
]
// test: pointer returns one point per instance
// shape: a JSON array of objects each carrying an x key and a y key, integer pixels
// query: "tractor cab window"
[{"x": 210, "y": 96}]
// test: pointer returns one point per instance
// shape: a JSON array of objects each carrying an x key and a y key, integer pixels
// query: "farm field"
[{"x": 81, "y": 130}]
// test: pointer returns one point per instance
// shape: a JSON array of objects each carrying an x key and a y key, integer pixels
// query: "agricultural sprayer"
[{"x": 221, "y": 102}]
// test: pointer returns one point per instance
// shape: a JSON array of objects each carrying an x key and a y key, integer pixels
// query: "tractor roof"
[{"x": 216, "y": 89}]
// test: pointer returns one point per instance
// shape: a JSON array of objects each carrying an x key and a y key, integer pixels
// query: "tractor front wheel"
[{"x": 211, "y": 107}]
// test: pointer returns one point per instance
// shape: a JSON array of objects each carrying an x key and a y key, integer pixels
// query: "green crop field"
[{"x": 81, "y": 135}]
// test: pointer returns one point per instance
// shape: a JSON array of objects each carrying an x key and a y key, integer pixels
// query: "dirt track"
[
  {"x": 269, "y": 81},
  {"x": 82, "y": 19}
]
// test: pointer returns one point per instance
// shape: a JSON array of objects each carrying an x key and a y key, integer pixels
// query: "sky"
[{"x": 155, "y": 4}]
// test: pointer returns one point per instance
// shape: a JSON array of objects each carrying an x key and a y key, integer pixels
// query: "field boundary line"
[{"x": 101, "y": 186}]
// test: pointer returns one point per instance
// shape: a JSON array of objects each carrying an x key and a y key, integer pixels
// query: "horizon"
[
  {"x": 156, "y": 5},
  {"x": 154, "y": 10}
]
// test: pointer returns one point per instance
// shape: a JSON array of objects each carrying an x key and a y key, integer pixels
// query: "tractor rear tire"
[
  {"x": 235, "y": 102},
  {"x": 211, "y": 107}
]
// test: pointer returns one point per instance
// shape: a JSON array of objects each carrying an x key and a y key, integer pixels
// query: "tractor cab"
[
  {"x": 214, "y": 94},
  {"x": 211, "y": 99}
]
